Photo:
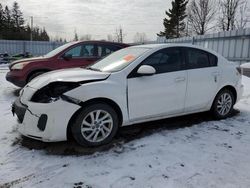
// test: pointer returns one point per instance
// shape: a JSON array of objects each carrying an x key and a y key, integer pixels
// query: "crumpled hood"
[{"x": 67, "y": 75}]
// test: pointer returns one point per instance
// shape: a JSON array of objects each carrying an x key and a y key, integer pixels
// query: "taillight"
[{"x": 245, "y": 69}]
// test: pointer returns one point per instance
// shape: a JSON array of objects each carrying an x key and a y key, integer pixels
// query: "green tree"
[
  {"x": 76, "y": 37},
  {"x": 17, "y": 16},
  {"x": 2, "y": 21},
  {"x": 8, "y": 26},
  {"x": 27, "y": 32},
  {"x": 174, "y": 24},
  {"x": 44, "y": 35},
  {"x": 12, "y": 26}
]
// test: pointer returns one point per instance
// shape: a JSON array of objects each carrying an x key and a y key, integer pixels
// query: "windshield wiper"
[{"x": 94, "y": 69}]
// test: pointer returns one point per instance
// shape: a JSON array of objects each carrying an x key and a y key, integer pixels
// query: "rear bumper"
[
  {"x": 15, "y": 78},
  {"x": 240, "y": 91}
]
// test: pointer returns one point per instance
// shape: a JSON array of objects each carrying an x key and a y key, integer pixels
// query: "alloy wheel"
[
  {"x": 97, "y": 126},
  {"x": 224, "y": 104}
]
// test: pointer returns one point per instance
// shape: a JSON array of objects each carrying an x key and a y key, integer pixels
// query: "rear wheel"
[
  {"x": 95, "y": 125},
  {"x": 223, "y": 104}
]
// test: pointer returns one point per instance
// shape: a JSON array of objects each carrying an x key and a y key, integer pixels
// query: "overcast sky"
[{"x": 96, "y": 17}]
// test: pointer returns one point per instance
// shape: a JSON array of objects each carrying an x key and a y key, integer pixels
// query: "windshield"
[
  {"x": 58, "y": 50},
  {"x": 118, "y": 60}
]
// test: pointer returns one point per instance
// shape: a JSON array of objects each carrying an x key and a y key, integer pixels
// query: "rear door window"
[
  {"x": 104, "y": 50},
  {"x": 197, "y": 58},
  {"x": 213, "y": 60}
]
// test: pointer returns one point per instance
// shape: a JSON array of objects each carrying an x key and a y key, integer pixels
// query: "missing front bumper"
[
  {"x": 19, "y": 109},
  {"x": 45, "y": 122}
]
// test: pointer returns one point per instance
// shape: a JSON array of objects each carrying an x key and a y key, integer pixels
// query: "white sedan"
[{"x": 133, "y": 85}]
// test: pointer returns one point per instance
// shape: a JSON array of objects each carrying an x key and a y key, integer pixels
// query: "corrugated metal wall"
[
  {"x": 233, "y": 45},
  {"x": 36, "y": 48}
]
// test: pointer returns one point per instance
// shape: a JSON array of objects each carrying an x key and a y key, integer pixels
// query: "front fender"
[{"x": 108, "y": 89}]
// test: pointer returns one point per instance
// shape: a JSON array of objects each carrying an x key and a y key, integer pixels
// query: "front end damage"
[
  {"x": 44, "y": 109},
  {"x": 46, "y": 122},
  {"x": 44, "y": 118}
]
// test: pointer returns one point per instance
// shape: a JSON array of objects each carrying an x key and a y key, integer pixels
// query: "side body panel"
[{"x": 156, "y": 95}]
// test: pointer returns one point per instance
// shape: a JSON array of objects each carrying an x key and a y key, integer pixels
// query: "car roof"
[
  {"x": 103, "y": 42},
  {"x": 165, "y": 45},
  {"x": 168, "y": 45}
]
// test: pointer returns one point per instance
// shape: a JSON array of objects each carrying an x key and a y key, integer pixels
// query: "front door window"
[{"x": 82, "y": 51}]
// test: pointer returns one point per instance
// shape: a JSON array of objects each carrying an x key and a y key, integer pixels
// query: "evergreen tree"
[
  {"x": 27, "y": 32},
  {"x": 44, "y": 35},
  {"x": 76, "y": 36},
  {"x": 8, "y": 18},
  {"x": 2, "y": 23},
  {"x": 17, "y": 16},
  {"x": 8, "y": 24},
  {"x": 174, "y": 23},
  {"x": 12, "y": 26}
]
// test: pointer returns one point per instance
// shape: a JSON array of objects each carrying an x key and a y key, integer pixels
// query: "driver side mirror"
[
  {"x": 67, "y": 57},
  {"x": 146, "y": 70}
]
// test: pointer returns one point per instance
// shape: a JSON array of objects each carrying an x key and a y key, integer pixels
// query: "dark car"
[
  {"x": 4, "y": 58},
  {"x": 70, "y": 55},
  {"x": 20, "y": 56}
]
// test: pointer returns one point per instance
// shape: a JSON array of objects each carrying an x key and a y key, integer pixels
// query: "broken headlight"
[{"x": 53, "y": 91}]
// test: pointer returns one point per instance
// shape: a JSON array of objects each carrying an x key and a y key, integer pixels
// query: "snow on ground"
[
  {"x": 207, "y": 154},
  {"x": 4, "y": 66}
]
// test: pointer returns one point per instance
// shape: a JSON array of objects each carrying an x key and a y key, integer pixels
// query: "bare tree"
[
  {"x": 110, "y": 38},
  {"x": 119, "y": 35},
  {"x": 243, "y": 15},
  {"x": 228, "y": 8},
  {"x": 86, "y": 37},
  {"x": 201, "y": 14},
  {"x": 140, "y": 38},
  {"x": 75, "y": 36}
]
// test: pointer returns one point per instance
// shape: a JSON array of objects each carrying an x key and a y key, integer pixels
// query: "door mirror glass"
[
  {"x": 146, "y": 70},
  {"x": 67, "y": 57}
]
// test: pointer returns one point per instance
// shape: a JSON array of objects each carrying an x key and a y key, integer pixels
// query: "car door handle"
[{"x": 180, "y": 79}]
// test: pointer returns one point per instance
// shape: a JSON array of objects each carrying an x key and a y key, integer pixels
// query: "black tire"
[
  {"x": 32, "y": 76},
  {"x": 85, "y": 113},
  {"x": 216, "y": 110}
]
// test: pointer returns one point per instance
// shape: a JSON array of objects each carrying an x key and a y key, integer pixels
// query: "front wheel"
[
  {"x": 223, "y": 104},
  {"x": 95, "y": 125}
]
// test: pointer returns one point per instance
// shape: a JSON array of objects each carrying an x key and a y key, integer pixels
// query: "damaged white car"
[{"x": 133, "y": 85}]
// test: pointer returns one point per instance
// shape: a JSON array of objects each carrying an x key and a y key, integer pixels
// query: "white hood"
[{"x": 66, "y": 75}]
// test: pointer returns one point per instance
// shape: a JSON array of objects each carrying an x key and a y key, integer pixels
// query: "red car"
[{"x": 73, "y": 54}]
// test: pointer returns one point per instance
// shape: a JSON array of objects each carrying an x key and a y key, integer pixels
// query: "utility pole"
[
  {"x": 32, "y": 25},
  {"x": 187, "y": 31},
  {"x": 121, "y": 35},
  {"x": 31, "y": 28}
]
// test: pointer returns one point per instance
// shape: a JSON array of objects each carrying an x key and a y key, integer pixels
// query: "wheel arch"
[
  {"x": 90, "y": 102},
  {"x": 35, "y": 71},
  {"x": 230, "y": 88}
]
